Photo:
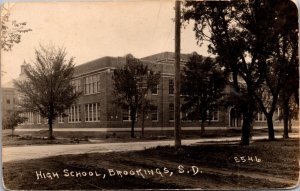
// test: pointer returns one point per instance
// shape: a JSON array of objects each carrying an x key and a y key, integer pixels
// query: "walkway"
[
  {"x": 127, "y": 129},
  {"x": 40, "y": 151}
]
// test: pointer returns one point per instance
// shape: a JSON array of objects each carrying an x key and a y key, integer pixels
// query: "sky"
[{"x": 90, "y": 30}]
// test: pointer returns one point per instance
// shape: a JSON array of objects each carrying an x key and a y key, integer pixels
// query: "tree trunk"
[
  {"x": 290, "y": 125},
  {"x": 50, "y": 121},
  {"x": 50, "y": 128},
  {"x": 248, "y": 111},
  {"x": 143, "y": 123},
  {"x": 132, "y": 128},
  {"x": 245, "y": 140},
  {"x": 132, "y": 115},
  {"x": 270, "y": 127},
  {"x": 285, "y": 120},
  {"x": 202, "y": 127},
  {"x": 12, "y": 131}
]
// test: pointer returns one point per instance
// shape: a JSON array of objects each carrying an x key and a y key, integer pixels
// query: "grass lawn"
[
  {"x": 73, "y": 137},
  {"x": 261, "y": 165}
]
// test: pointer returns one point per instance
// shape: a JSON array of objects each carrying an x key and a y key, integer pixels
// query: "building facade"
[{"x": 95, "y": 109}]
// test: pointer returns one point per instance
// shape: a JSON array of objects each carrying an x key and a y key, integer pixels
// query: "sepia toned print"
[{"x": 156, "y": 94}]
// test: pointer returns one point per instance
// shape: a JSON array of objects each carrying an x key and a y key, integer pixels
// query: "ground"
[
  {"x": 73, "y": 137},
  {"x": 263, "y": 164}
]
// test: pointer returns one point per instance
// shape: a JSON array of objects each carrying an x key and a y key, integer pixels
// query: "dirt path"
[
  {"x": 41, "y": 151},
  {"x": 216, "y": 168}
]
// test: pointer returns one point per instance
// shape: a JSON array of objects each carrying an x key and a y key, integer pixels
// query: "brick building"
[{"x": 94, "y": 109}]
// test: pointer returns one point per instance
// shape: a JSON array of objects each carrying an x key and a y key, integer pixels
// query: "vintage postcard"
[{"x": 160, "y": 94}]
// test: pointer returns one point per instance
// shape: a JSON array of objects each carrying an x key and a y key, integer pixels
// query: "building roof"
[
  {"x": 165, "y": 56},
  {"x": 97, "y": 64},
  {"x": 108, "y": 62}
]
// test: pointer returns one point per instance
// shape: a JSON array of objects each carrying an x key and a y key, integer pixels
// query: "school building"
[{"x": 94, "y": 109}]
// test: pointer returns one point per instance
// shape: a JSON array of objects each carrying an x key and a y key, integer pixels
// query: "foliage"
[
  {"x": 143, "y": 111},
  {"x": 293, "y": 110},
  {"x": 11, "y": 30},
  {"x": 131, "y": 84},
  {"x": 203, "y": 83},
  {"x": 48, "y": 89},
  {"x": 289, "y": 96},
  {"x": 281, "y": 67},
  {"x": 13, "y": 119},
  {"x": 249, "y": 37},
  {"x": 289, "y": 110}
]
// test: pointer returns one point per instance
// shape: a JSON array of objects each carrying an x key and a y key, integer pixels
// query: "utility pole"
[
  {"x": 177, "y": 132},
  {"x": 1, "y": 67},
  {"x": 1, "y": 6}
]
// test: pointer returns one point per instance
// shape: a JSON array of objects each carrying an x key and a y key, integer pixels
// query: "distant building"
[
  {"x": 8, "y": 102},
  {"x": 94, "y": 109}
]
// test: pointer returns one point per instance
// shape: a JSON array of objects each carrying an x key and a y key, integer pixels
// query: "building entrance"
[{"x": 235, "y": 118}]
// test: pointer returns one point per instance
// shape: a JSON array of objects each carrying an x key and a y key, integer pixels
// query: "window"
[
  {"x": 154, "y": 113},
  {"x": 29, "y": 116},
  {"x": 213, "y": 116},
  {"x": 77, "y": 85},
  {"x": 24, "y": 115},
  {"x": 92, "y": 84},
  {"x": 73, "y": 114},
  {"x": 60, "y": 118},
  {"x": 154, "y": 90},
  {"x": 260, "y": 117},
  {"x": 187, "y": 115},
  {"x": 171, "y": 112},
  {"x": 277, "y": 115},
  {"x": 171, "y": 86},
  {"x": 8, "y": 101},
  {"x": 126, "y": 115},
  {"x": 38, "y": 118},
  {"x": 184, "y": 115},
  {"x": 45, "y": 120},
  {"x": 92, "y": 112}
]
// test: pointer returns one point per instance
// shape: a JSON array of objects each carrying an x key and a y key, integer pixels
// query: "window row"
[
  {"x": 92, "y": 84},
  {"x": 153, "y": 114},
  {"x": 154, "y": 91},
  {"x": 92, "y": 113},
  {"x": 29, "y": 118},
  {"x": 74, "y": 114},
  {"x": 77, "y": 85},
  {"x": 187, "y": 116},
  {"x": 260, "y": 116}
]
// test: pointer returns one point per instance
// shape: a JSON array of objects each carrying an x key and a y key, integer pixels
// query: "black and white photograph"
[{"x": 150, "y": 94}]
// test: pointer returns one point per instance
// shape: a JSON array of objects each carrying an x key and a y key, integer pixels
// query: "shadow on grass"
[{"x": 216, "y": 157}]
